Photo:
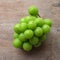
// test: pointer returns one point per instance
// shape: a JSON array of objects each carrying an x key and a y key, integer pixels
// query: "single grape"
[
  {"x": 39, "y": 22},
  {"x": 22, "y": 37},
  {"x": 43, "y": 38},
  {"x": 33, "y": 10},
  {"x": 37, "y": 45},
  {"x": 27, "y": 46},
  {"x": 23, "y": 27},
  {"x": 22, "y": 20},
  {"x": 28, "y": 34},
  {"x": 32, "y": 25},
  {"x": 38, "y": 31},
  {"x": 46, "y": 29},
  {"x": 15, "y": 35},
  {"x": 29, "y": 18},
  {"x": 48, "y": 22},
  {"x": 16, "y": 28},
  {"x": 17, "y": 43},
  {"x": 34, "y": 40}
]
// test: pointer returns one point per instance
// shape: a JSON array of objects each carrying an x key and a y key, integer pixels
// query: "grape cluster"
[{"x": 31, "y": 31}]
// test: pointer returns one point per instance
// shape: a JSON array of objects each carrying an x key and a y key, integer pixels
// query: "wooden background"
[{"x": 10, "y": 13}]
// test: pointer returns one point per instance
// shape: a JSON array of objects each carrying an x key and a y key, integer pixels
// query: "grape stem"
[{"x": 39, "y": 15}]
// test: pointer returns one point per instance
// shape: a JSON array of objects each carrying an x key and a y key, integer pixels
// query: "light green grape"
[
  {"x": 34, "y": 40},
  {"x": 39, "y": 22},
  {"x": 17, "y": 43},
  {"x": 32, "y": 25},
  {"x": 16, "y": 28},
  {"x": 48, "y": 22},
  {"x": 23, "y": 27},
  {"x": 29, "y": 18},
  {"x": 46, "y": 29},
  {"x": 15, "y": 35},
  {"x": 22, "y": 37},
  {"x": 28, "y": 34},
  {"x": 33, "y": 10},
  {"x": 22, "y": 20},
  {"x": 43, "y": 38},
  {"x": 38, "y": 31},
  {"x": 38, "y": 44},
  {"x": 27, "y": 46}
]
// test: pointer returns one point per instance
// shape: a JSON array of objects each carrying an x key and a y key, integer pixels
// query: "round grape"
[
  {"x": 15, "y": 35},
  {"x": 29, "y": 18},
  {"x": 38, "y": 31},
  {"x": 34, "y": 40},
  {"x": 22, "y": 37},
  {"x": 27, "y": 46},
  {"x": 43, "y": 38},
  {"x": 17, "y": 43},
  {"x": 28, "y": 34},
  {"x": 22, "y": 20},
  {"x": 33, "y": 10},
  {"x": 23, "y": 27},
  {"x": 48, "y": 22},
  {"x": 39, "y": 22},
  {"x": 46, "y": 29},
  {"x": 16, "y": 28},
  {"x": 38, "y": 44},
  {"x": 32, "y": 25}
]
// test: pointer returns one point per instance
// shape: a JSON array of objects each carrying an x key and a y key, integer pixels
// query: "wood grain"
[{"x": 10, "y": 13}]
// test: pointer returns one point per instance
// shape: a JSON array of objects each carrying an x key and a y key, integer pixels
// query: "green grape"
[
  {"x": 29, "y": 18},
  {"x": 39, "y": 22},
  {"x": 28, "y": 34},
  {"x": 38, "y": 31},
  {"x": 32, "y": 25},
  {"x": 38, "y": 44},
  {"x": 15, "y": 35},
  {"x": 17, "y": 43},
  {"x": 48, "y": 22},
  {"x": 46, "y": 29},
  {"x": 23, "y": 27},
  {"x": 34, "y": 40},
  {"x": 33, "y": 10},
  {"x": 27, "y": 46},
  {"x": 22, "y": 20},
  {"x": 22, "y": 37},
  {"x": 43, "y": 38},
  {"x": 16, "y": 28}
]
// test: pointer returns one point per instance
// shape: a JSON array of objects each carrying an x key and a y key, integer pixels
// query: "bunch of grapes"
[{"x": 31, "y": 31}]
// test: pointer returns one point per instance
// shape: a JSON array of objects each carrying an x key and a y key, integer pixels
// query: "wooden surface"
[{"x": 10, "y": 13}]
